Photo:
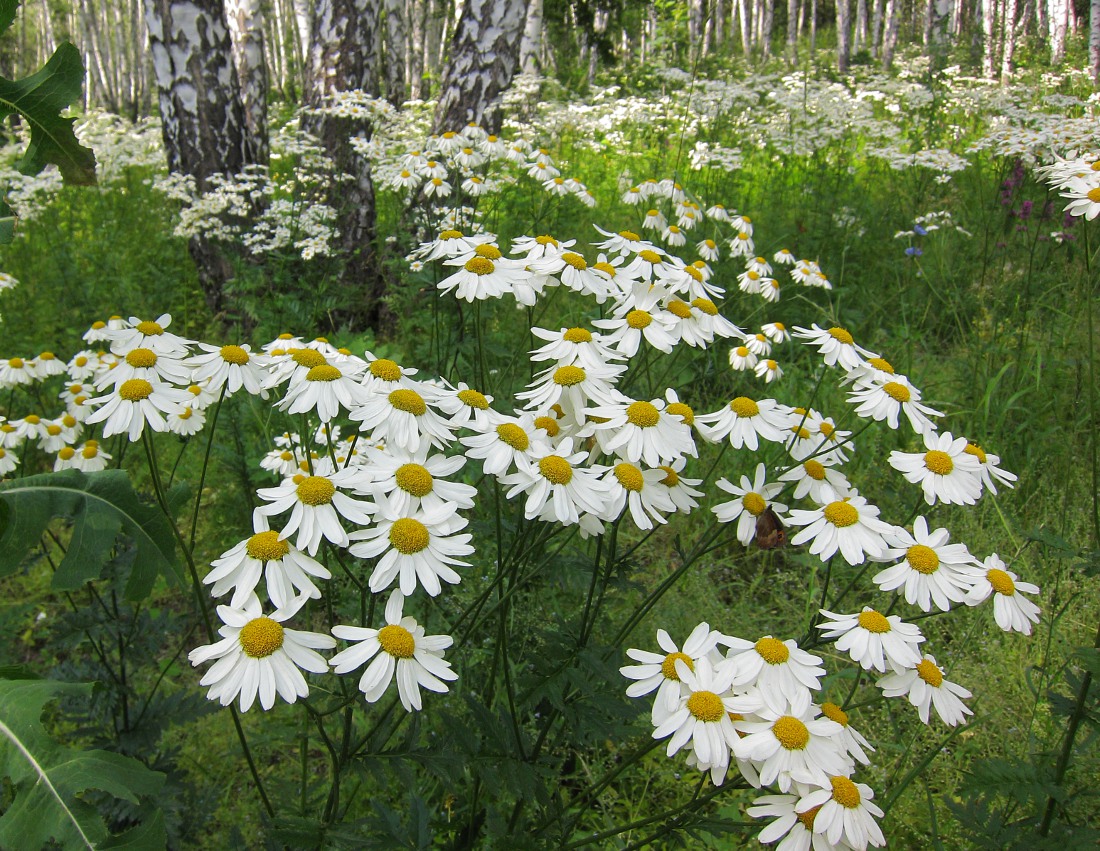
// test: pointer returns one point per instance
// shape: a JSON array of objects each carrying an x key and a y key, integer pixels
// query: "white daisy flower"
[
  {"x": 874, "y": 640},
  {"x": 754, "y": 497},
  {"x": 145, "y": 363},
  {"x": 232, "y": 366},
  {"x": 500, "y": 447},
  {"x": 784, "y": 675},
  {"x": 132, "y": 404},
  {"x": 785, "y": 746},
  {"x": 326, "y": 389},
  {"x": 630, "y": 487},
  {"x": 8, "y": 461},
  {"x": 851, "y": 740},
  {"x": 742, "y": 359},
  {"x": 702, "y": 717},
  {"x": 657, "y": 672},
  {"x": 707, "y": 249},
  {"x": 681, "y": 490},
  {"x": 835, "y": 345},
  {"x": 402, "y": 418},
  {"x": 258, "y": 656},
  {"x": 573, "y": 387},
  {"x": 90, "y": 458},
  {"x": 186, "y": 421},
  {"x": 399, "y": 647},
  {"x": 849, "y": 524},
  {"x": 149, "y": 334},
  {"x": 573, "y": 346},
  {"x": 846, "y": 813},
  {"x": 992, "y": 474},
  {"x": 743, "y": 420},
  {"x": 886, "y": 399},
  {"x": 640, "y": 317},
  {"x": 484, "y": 274},
  {"x": 931, "y": 572},
  {"x": 795, "y": 829},
  {"x": 1012, "y": 610},
  {"x": 316, "y": 506},
  {"x": 925, "y": 686},
  {"x": 946, "y": 471},
  {"x": 640, "y": 431},
  {"x": 769, "y": 370},
  {"x": 776, "y": 332},
  {"x": 817, "y": 479},
  {"x": 420, "y": 547},
  {"x": 558, "y": 486}
]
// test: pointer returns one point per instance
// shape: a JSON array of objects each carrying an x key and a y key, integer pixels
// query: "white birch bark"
[
  {"x": 246, "y": 34},
  {"x": 530, "y": 45},
  {"x": 989, "y": 44},
  {"x": 1058, "y": 11},
  {"x": 890, "y": 33},
  {"x": 1094, "y": 42},
  {"x": 395, "y": 51},
  {"x": 766, "y": 27},
  {"x": 1009, "y": 48},
  {"x": 792, "y": 31},
  {"x": 876, "y": 28},
  {"x": 859, "y": 37},
  {"x": 416, "y": 50},
  {"x": 843, "y": 35}
]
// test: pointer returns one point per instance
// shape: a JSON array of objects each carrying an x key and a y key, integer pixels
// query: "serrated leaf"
[
  {"x": 101, "y": 505},
  {"x": 47, "y": 778},
  {"x": 150, "y": 835}
]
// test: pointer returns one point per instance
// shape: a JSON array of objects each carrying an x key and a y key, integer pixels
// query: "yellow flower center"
[
  {"x": 773, "y": 651},
  {"x": 741, "y": 351},
  {"x": 315, "y": 490},
  {"x": 141, "y": 358},
  {"x": 32, "y": 419},
  {"x": 473, "y": 399},
  {"x": 397, "y": 641},
  {"x": 308, "y": 358},
  {"x": 53, "y": 429},
  {"x": 976, "y": 451},
  {"x": 266, "y": 546},
  {"x": 827, "y": 430},
  {"x": 488, "y": 251},
  {"x": 791, "y": 733},
  {"x": 546, "y": 239},
  {"x": 414, "y": 479},
  {"x": 841, "y": 335},
  {"x": 642, "y": 414},
  {"x": 881, "y": 364},
  {"x": 638, "y": 319},
  {"x": 754, "y": 503},
  {"x": 90, "y": 450},
  {"x": 385, "y": 369},
  {"x": 873, "y": 621},
  {"x": 629, "y": 476},
  {"x": 897, "y": 392},
  {"x": 807, "y": 818},
  {"x": 834, "y": 713},
  {"x": 409, "y": 536},
  {"x": 135, "y": 390},
  {"x": 816, "y": 471},
  {"x": 408, "y": 401},
  {"x": 577, "y": 335},
  {"x": 706, "y": 706},
  {"x": 841, "y": 514},
  {"x": 668, "y": 667},
  {"x": 630, "y": 235},
  {"x": 513, "y": 435},
  {"x": 671, "y": 479},
  {"x": 929, "y": 671},
  {"x": 694, "y": 273},
  {"x": 845, "y": 792},
  {"x": 261, "y": 637},
  {"x": 556, "y": 470},
  {"x": 706, "y": 306},
  {"x": 324, "y": 372},
  {"x": 234, "y": 354},
  {"x": 922, "y": 559},
  {"x": 938, "y": 462},
  {"x": 450, "y": 234},
  {"x": 798, "y": 431},
  {"x": 650, "y": 256},
  {"x": 66, "y": 453},
  {"x": 606, "y": 268},
  {"x": 575, "y": 260},
  {"x": 568, "y": 376},
  {"x": 150, "y": 328},
  {"x": 683, "y": 410},
  {"x": 1094, "y": 195},
  {"x": 680, "y": 308},
  {"x": 46, "y": 356},
  {"x": 744, "y": 407},
  {"x": 1002, "y": 583},
  {"x": 480, "y": 266},
  {"x": 548, "y": 425},
  {"x": 68, "y": 420}
]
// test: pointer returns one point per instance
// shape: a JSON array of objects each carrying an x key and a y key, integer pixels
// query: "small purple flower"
[
  {"x": 913, "y": 251},
  {"x": 919, "y": 231},
  {"x": 1025, "y": 209}
]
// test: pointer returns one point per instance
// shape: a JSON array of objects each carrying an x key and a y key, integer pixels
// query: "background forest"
[{"x": 583, "y": 385}]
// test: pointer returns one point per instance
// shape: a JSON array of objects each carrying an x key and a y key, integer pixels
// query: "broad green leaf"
[
  {"x": 101, "y": 505},
  {"x": 47, "y": 778},
  {"x": 8, "y": 8}
]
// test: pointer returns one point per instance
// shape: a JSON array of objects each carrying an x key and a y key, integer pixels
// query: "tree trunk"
[
  {"x": 766, "y": 28},
  {"x": 1009, "y": 41},
  {"x": 1059, "y": 23},
  {"x": 416, "y": 50},
  {"x": 843, "y": 35},
  {"x": 989, "y": 44},
  {"x": 745, "y": 10},
  {"x": 1094, "y": 42},
  {"x": 484, "y": 55},
  {"x": 202, "y": 120},
  {"x": 890, "y": 33},
  {"x": 395, "y": 51},
  {"x": 876, "y": 28},
  {"x": 859, "y": 41},
  {"x": 719, "y": 23},
  {"x": 792, "y": 31},
  {"x": 246, "y": 33},
  {"x": 343, "y": 58},
  {"x": 696, "y": 14},
  {"x": 531, "y": 44},
  {"x": 813, "y": 28}
]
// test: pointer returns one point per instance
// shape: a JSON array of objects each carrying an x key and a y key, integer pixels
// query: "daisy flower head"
[
  {"x": 259, "y": 657},
  {"x": 484, "y": 273},
  {"x": 502, "y": 446},
  {"x": 835, "y": 345},
  {"x": 849, "y": 524},
  {"x": 573, "y": 346},
  {"x": 786, "y": 746},
  {"x": 637, "y": 318},
  {"x": 885, "y": 397},
  {"x": 794, "y": 828},
  {"x": 90, "y": 458},
  {"x": 231, "y": 366},
  {"x": 776, "y": 332},
  {"x": 925, "y": 686},
  {"x": 148, "y": 334},
  {"x": 992, "y": 474},
  {"x": 419, "y": 547},
  {"x": 641, "y": 431},
  {"x": 931, "y": 571},
  {"x": 851, "y": 740},
  {"x": 466, "y": 407},
  {"x": 946, "y": 472},
  {"x": 874, "y": 640},
  {"x": 1012, "y": 610},
  {"x": 133, "y": 403},
  {"x": 409, "y": 480},
  {"x": 744, "y": 421},
  {"x": 1083, "y": 194},
  {"x": 45, "y": 365},
  {"x": 818, "y": 479},
  {"x": 287, "y": 571},
  {"x": 784, "y": 257},
  {"x": 625, "y": 242},
  {"x": 145, "y": 363},
  {"x": 186, "y": 421},
  {"x": 845, "y": 813},
  {"x": 316, "y": 505},
  {"x": 8, "y": 461},
  {"x": 401, "y": 647},
  {"x": 769, "y": 370},
  {"x": 573, "y": 387},
  {"x": 702, "y": 717},
  {"x": 558, "y": 485},
  {"x": 707, "y": 249},
  {"x": 742, "y": 359},
  {"x": 402, "y": 418},
  {"x": 681, "y": 489},
  {"x": 631, "y": 487},
  {"x": 784, "y": 675},
  {"x": 753, "y": 497},
  {"x": 657, "y": 671}
]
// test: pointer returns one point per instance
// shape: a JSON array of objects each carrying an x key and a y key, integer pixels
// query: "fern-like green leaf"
[
  {"x": 48, "y": 778},
  {"x": 101, "y": 506}
]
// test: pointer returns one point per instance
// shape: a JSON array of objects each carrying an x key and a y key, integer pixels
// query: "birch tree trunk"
[
  {"x": 813, "y": 28},
  {"x": 1059, "y": 23},
  {"x": 395, "y": 51},
  {"x": 766, "y": 28},
  {"x": 989, "y": 44},
  {"x": 530, "y": 45},
  {"x": 719, "y": 23},
  {"x": 890, "y": 33},
  {"x": 745, "y": 10},
  {"x": 1009, "y": 48},
  {"x": 843, "y": 35},
  {"x": 484, "y": 56},
  {"x": 696, "y": 14},
  {"x": 202, "y": 120},
  {"x": 1094, "y": 42},
  {"x": 876, "y": 28},
  {"x": 303, "y": 21},
  {"x": 792, "y": 31},
  {"x": 246, "y": 34},
  {"x": 343, "y": 57},
  {"x": 416, "y": 50},
  {"x": 859, "y": 40}
]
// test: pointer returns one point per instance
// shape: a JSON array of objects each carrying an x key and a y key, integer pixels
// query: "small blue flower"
[
  {"x": 912, "y": 251},
  {"x": 919, "y": 231}
]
